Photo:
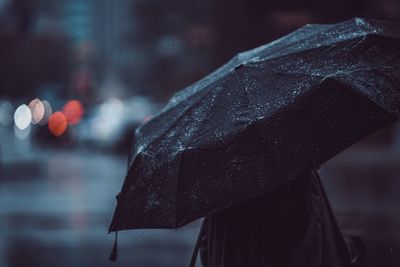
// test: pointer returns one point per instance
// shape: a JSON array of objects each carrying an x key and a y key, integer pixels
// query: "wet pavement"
[{"x": 55, "y": 208}]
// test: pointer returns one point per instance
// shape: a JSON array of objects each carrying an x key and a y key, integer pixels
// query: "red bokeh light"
[
  {"x": 57, "y": 123},
  {"x": 73, "y": 111}
]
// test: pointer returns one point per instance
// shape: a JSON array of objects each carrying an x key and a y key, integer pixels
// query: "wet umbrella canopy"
[{"x": 260, "y": 120}]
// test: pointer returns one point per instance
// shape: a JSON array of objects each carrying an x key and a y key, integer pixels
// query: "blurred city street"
[{"x": 56, "y": 207}]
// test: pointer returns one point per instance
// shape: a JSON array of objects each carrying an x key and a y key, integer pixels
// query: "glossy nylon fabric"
[
  {"x": 290, "y": 227},
  {"x": 257, "y": 122}
]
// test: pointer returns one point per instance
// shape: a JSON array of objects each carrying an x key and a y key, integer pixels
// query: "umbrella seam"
[{"x": 166, "y": 131}]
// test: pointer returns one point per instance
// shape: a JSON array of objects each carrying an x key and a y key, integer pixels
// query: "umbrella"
[{"x": 257, "y": 122}]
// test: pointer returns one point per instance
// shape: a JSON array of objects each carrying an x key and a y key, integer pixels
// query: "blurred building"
[
  {"x": 170, "y": 45},
  {"x": 95, "y": 28},
  {"x": 29, "y": 59}
]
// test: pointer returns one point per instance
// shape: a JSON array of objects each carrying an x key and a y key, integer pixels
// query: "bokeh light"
[
  {"x": 37, "y": 109},
  {"x": 57, "y": 123},
  {"x": 22, "y": 117},
  {"x": 106, "y": 124},
  {"x": 6, "y": 110},
  {"x": 138, "y": 108},
  {"x": 22, "y": 133},
  {"x": 73, "y": 111},
  {"x": 100, "y": 128},
  {"x": 112, "y": 108},
  {"x": 47, "y": 112}
]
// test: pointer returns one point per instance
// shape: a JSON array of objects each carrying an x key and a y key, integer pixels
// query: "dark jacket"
[{"x": 293, "y": 226}]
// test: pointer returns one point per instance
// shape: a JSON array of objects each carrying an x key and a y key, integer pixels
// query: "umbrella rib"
[
  {"x": 203, "y": 83},
  {"x": 168, "y": 108},
  {"x": 347, "y": 70},
  {"x": 289, "y": 53},
  {"x": 282, "y": 39},
  {"x": 166, "y": 112},
  {"x": 194, "y": 140},
  {"x": 296, "y": 73},
  {"x": 266, "y": 85},
  {"x": 196, "y": 104},
  {"x": 246, "y": 93},
  {"x": 252, "y": 62},
  {"x": 365, "y": 93}
]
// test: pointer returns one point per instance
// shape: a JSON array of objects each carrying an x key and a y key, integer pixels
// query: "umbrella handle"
[{"x": 197, "y": 247}]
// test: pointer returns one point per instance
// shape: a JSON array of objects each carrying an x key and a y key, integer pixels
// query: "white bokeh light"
[
  {"x": 22, "y": 117},
  {"x": 109, "y": 120},
  {"x": 22, "y": 134},
  {"x": 112, "y": 108}
]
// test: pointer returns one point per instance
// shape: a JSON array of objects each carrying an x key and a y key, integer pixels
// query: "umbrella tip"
[{"x": 114, "y": 252}]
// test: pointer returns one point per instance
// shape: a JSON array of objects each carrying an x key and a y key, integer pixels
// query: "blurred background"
[{"x": 78, "y": 76}]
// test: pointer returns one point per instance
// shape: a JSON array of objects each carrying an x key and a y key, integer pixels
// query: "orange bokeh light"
[
  {"x": 73, "y": 111},
  {"x": 57, "y": 123}
]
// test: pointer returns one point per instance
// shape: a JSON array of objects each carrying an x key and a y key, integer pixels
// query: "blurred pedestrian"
[{"x": 293, "y": 226}]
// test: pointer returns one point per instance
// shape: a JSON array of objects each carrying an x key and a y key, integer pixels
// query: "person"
[{"x": 292, "y": 226}]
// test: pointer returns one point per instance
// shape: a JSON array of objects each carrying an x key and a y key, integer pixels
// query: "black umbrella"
[{"x": 260, "y": 120}]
